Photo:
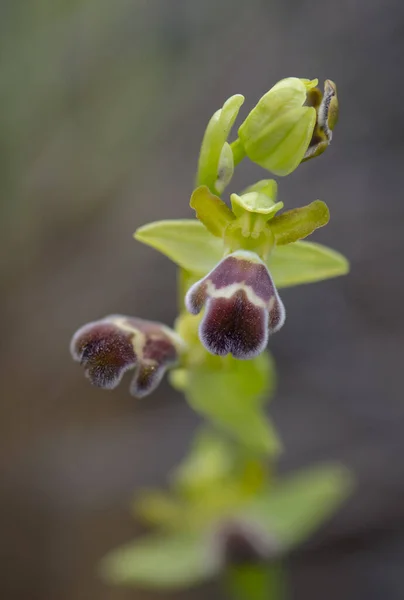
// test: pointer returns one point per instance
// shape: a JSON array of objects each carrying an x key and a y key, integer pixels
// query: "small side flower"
[{"x": 111, "y": 346}]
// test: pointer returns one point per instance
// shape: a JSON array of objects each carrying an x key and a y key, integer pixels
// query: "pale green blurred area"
[
  {"x": 102, "y": 109},
  {"x": 86, "y": 90}
]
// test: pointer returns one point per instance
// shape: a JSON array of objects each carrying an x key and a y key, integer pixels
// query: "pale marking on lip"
[
  {"x": 139, "y": 338},
  {"x": 229, "y": 291}
]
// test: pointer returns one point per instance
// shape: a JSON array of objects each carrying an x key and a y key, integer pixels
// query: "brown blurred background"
[{"x": 102, "y": 109}]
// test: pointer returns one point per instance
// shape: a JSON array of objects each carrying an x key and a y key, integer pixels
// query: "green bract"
[{"x": 240, "y": 386}]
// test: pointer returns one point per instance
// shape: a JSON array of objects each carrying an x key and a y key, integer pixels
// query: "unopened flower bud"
[
  {"x": 291, "y": 123},
  {"x": 277, "y": 132}
]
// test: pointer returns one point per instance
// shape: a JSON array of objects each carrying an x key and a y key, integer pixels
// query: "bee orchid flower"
[{"x": 111, "y": 346}]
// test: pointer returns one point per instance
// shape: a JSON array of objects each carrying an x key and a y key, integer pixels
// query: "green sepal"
[
  {"x": 286, "y": 142},
  {"x": 298, "y": 223},
  {"x": 293, "y": 508},
  {"x": 211, "y": 210},
  {"x": 160, "y": 562},
  {"x": 185, "y": 241},
  {"x": 230, "y": 394},
  {"x": 216, "y": 135},
  {"x": 277, "y": 132},
  {"x": 305, "y": 262}
]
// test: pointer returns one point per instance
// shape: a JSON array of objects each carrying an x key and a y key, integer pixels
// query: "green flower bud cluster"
[
  {"x": 291, "y": 123},
  {"x": 224, "y": 508}
]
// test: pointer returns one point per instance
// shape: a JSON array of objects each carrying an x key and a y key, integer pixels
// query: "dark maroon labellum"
[
  {"x": 242, "y": 306},
  {"x": 110, "y": 347}
]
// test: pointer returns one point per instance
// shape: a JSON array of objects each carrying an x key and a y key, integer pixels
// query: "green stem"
[
  {"x": 238, "y": 151},
  {"x": 255, "y": 582}
]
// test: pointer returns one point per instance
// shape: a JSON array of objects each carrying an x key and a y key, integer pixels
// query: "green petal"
[
  {"x": 211, "y": 210},
  {"x": 254, "y": 202},
  {"x": 296, "y": 506},
  {"x": 231, "y": 396},
  {"x": 296, "y": 224},
  {"x": 185, "y": 241},
  {"x": 305, "y": 262},
  {"x": 169, "y": 562},
  {"x": 216, "y": 135}
]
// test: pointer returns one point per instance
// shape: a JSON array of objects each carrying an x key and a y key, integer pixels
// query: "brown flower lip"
[
  {"x": 242, "y": 306},
  {"x": 109, "y": 347}
]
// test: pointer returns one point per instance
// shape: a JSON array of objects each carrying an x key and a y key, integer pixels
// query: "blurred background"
[{"x": 103, "y": 107}]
